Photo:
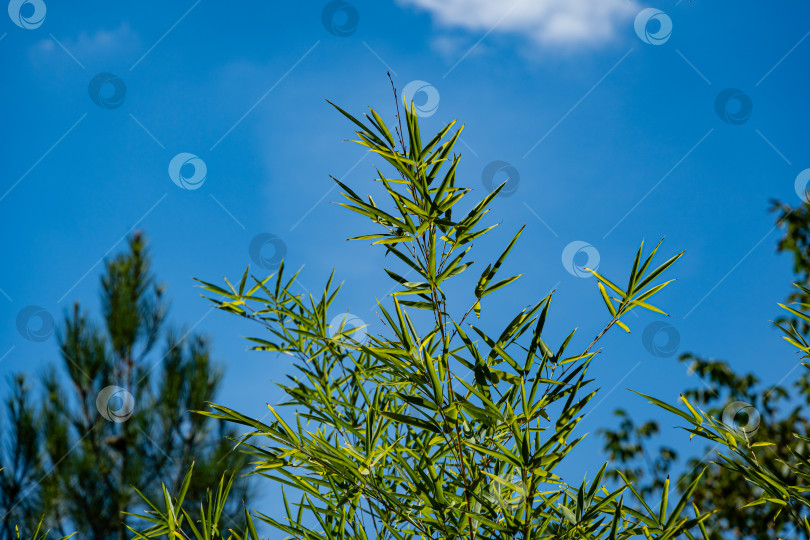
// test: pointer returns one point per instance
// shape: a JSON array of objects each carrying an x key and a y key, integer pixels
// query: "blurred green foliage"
[{"x": 67, "y": 466}]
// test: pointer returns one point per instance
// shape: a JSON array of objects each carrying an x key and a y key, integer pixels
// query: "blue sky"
[{"x": 615, "y": 136}]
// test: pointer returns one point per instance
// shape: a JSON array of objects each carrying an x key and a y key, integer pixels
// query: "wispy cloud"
[
  {"x": 450, "y": 46},
  {"x": 99, "y": 47},
  {"x": 546, "y": 22}
]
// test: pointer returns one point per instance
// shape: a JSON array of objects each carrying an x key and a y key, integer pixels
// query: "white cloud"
[
  {"x": 451, "y": 46},
  {"x": 99, "y": 47},
  {"x": 547, "y": 22}
]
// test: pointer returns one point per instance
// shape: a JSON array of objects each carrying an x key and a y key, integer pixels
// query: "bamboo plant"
[{"x": 432, "y": 428}]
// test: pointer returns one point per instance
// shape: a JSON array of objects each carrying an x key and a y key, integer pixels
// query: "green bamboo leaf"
[
  {"x": 491, "y": 270},
  {"x": 634, "y": 274},
  {"x": 655, "y": 273},
  {"x": 607, "y": 300},
  {"x": 670, "y": 408},
  {"x": 438, "y": 137},
  {"x": 356, "y": 122},
  {"x": 366, "y": 237},
  {"x": 499, "y": 285},
  {"x": 383, "y": 129},
  {"x": 417, "y": 305},
  {"x": 684, "y": 500},
  {"x": 698, "y": 418},
  {"x": 803, "y": 316},
  {"x": 607, "y": 282},
  {"x": 500, "y": 454},
  {"x": 394, "y": 240},
  {"x": 411, "y": 421},
  {"x": 647, "y": 306}
]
